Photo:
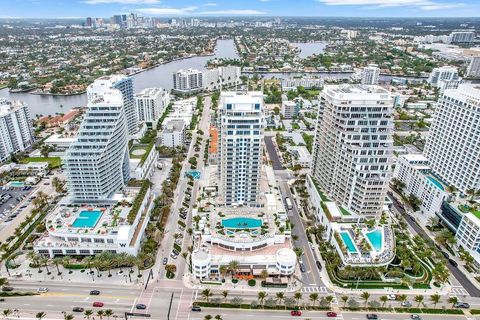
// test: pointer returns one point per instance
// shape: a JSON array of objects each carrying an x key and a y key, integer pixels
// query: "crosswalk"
[
  {"x": 460, "y": 291},
  {"x": 314, "y": 289}
]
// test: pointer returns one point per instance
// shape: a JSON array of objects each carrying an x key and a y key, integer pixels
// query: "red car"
[
  {"x": 98, "y": 304},
  {"x": 331, "y": 314},
  {"x": 296, "y": 313}
]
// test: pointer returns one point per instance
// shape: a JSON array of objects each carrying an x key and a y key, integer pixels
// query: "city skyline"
[{"x": 250, "y": 8}]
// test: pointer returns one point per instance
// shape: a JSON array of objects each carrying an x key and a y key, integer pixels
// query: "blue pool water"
[
  {"x": 17, "y": 184},
  {"x": 436, "y": 183},
  {"x": 348, "y": 242},
  {"x": 241, "y": 223},
  {"x": 375, "y": 238},
  {"x": 87, "y": 219}
]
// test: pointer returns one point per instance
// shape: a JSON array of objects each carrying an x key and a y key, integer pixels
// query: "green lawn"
[
  {"x": 54, "y": 162},
  {"x": 138, "y": 147}
]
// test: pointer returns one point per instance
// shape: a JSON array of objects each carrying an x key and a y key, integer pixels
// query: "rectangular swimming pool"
[
  {"x": 348, "y": 242},
  {"x": 87, "y": 219},
  {"x": 241, "y": 223},
  {"x": 376, "y": 239}
]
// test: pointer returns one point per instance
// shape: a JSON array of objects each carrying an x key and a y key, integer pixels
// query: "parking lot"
[{"x": 9, "y": 200}]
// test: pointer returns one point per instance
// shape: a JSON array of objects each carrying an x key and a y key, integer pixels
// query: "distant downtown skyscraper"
[
  {"x": 125, "y": 85},
  {"x": 97, "y": 163},
  {"x": 453, "y": 145},
  {"x": 352, "y": 153},
  {"x": 241, "y": 141},
  {"x": 16, "y": 132}
]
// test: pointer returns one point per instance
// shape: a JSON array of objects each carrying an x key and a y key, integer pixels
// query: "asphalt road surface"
[{"x": 276, "y": 163}]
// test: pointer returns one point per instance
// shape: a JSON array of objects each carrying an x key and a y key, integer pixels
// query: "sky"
[{"x": 173, "y": 8}]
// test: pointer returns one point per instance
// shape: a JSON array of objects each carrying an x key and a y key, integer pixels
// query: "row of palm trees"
[
  {"x": 104, "y": 261},
  {"x": 88, "y": 314},
  {"x": 294, "y": 300}
]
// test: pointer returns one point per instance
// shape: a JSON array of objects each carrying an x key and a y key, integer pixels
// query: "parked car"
[
  {"x": 42, "y": 290},
  {"x": 416, "y": 317},
  {"x": 453, "y": 262},
  {"x": 141, "y": 306},
  {"x": 165, "y": 260},
  {"x": 372, "y": 316},
  {"x": 302, "y": 267},
  {"x": 406, "y": 304},
  {"x": 78, "y": 309},
  {"x": 196, "y": 308},
  {"x": 319, "y": 265},
  {"x": 331, "y": 314},
  {"x": 7, "y": 288},
  {"x": 297, "y": 313},
  {"x": 94, "y": 293},
  {"x": 461, "y": 305},
  {"x": 392, "y": 297},
  {"x": 98, "y": 304}
]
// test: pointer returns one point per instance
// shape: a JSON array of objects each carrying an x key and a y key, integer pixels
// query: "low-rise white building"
[
  {"x": 79, "y": 230},
  {"x": 415, "y": 172},
  {"x": 290, "y": 109},
  {"x": 182, "y": 110},
  {"x": 301, "y": 156},
  {"x": 173, "y": 133}
]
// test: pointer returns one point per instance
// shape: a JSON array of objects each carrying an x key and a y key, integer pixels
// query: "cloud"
[
  {"x": 244, "y": 12},
  {"x": 210, "y": 4},
  {"x": 421, "y": 4},
  {"x": 167, "y": 11},
  {"x": 122, "y": 1}
]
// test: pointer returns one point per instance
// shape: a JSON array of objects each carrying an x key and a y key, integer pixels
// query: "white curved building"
[{"x": 97, "y": 163}]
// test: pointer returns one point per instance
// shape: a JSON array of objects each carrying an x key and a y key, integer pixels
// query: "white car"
[
  {"x": 392, "y": 297},
  {"x": 42, "y": 290}
]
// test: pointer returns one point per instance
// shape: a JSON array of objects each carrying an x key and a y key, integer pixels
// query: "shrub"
[{"x": 252, "y": 282}]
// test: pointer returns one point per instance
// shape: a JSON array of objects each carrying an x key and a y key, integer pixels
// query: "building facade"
[
  {"x": 188, "y": 81},
  {"x": 16, "y": 133},
  {"x": 415, "y": 172},
  {"x": 97, "y": 163},
  {"x": 290, "y": 109},
  {"x": 370, "y": 74},
  {"x": 352, "y": 154},
  {"x": 173, "y": 133},
  {"x": 241, "y": 139},
  {"x": 462, "y": 37},
  {"x": 442, "y": 73},
  {"x": 151, "y": 103},
  {"x": 473, "y": 69},
  {"x": 453, "y": 145},
  {"x": 125, "y": 85}
]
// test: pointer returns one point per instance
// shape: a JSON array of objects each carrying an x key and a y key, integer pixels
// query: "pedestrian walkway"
[
  {"x": 314, "y": 289},
  {"x": 185, "y": 304}
]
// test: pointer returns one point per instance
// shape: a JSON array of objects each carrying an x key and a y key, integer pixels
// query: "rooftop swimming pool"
[
  {"x": 376, "y": 239},
  {"x": 348, "y": 242},
  {"x": 87, "y": 219},
  {"x": 241, "y": 223},
  {"x": 436, "y": 183}
]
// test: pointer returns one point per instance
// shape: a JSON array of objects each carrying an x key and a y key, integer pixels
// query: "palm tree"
[
  {"x": 280, "y": 297},
  {"x": 418, "y": 298},
  {"x": 207, "y": 317},
  {"x": 6, "y": 313},
  {"x": 264, "y": 274},
  {"x": 329, "y": 300},
  {"x": 218, "y": 317},
  {"x": 313, "y": 297},
  {"x": 88, "y": 314},
  {"x": 225, "y": 295},
  {"x": 223, "y": 271},
  {"x": 365, "y": 296},
  {"x": 108, "y": 313},
  {"x": 207, "y": 294},
  {"x": 40, "y": 315},
  {"x": 344, "y": 299},
  {"x": 297, "y": 296},
  {"x": 67, "y": 316},
  {"x": 298, "y": 252},
  {"x": 435, "y": 298},
  {"x": 384, "y": 300},
  {"x": 57, "y": 261},
  {"x": 100, "y": 314},
  {"x": 402, "y": 297},
  {"x": 261, "y": 296},
  {"x": 233, "y": 266},
  {"x": 453, "y": 300}
]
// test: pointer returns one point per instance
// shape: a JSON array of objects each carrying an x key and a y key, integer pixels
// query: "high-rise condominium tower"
[
  {"x": 125, "y": 85},
  {"x": 241, "y": 140},
  {"x": 370, "y": 74},
  {"x": 16, "y": 132},
  {"x": 353, "y": 146},
  {"x": 453, "y": 146},
  {"x": 97, "y": 164}
]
